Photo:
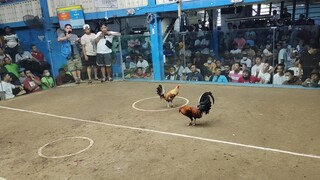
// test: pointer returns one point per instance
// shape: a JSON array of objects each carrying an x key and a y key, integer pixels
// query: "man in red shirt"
[
  {"x": 248, "y": 78},
  {"x": 32, "y": 83},
  {"x": 38, "y": 55}
]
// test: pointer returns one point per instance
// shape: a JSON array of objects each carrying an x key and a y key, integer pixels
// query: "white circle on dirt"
[
  {"x": 1, "y": 178},
  {"x": 72, "y": 154},
  {"x": 157, "y": 110}
]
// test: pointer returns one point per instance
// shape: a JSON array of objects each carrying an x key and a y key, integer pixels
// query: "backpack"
[{"x": 66, "y": 49}]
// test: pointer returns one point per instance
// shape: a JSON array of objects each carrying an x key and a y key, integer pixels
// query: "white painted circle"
[
  {"x": 157, "y": 110},
  {"x": 72, "y": 154},
  {"x": 1, "y": 178}
]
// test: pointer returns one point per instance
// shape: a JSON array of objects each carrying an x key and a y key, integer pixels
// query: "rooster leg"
[
  {"x": 194, "y": 122},
  {"x": 191, "y": 122},
  {"x": 171, "y": 104}
]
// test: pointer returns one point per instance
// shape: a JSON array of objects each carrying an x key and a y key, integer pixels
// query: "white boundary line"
[
  {"x": 169, "y": 133},
  {"x": 72, "y": 154},
  {"x": 158, "y": 110}
]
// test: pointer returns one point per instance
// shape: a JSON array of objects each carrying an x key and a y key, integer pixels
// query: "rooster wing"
[{"x": 161, "y": 91}]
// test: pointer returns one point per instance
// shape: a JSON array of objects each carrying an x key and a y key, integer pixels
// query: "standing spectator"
[
  {"x": 32, "y": 83},
  {"x": 142, "y": 63},
  {"x": 279, "y": 77},
  {"x": 70, "y": 51},
  {"x": 236, "y": 73},
  {"x": 248, "y": 78},
  {"x": 267, "y": 54},
  {"x": 218, "y": 77},
  {"x": 89, "y": 52},
  {"x": 283, "y": 56},
  {"x": 291, "y": 79},
  {"x": 310, "y": 60},
  {"x": 104, "y": 40},
  {"x": 11, "y": 41},
  {"x": 47, "y": 81},
  {"x": 286, "y": 16},
  {"x": 240, "y": 41},
  {"x": 63, "y": 77}
]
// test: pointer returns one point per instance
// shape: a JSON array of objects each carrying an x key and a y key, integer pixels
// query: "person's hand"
[{"x": 86, "y": 57}]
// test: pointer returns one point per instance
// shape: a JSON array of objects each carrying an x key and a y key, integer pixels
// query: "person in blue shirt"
[{"x": 218, "y": 78}]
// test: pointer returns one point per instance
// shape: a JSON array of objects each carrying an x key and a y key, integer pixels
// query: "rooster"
[
  {"x": 204, "y": 106},
  {"x": 169, "y": 96}
]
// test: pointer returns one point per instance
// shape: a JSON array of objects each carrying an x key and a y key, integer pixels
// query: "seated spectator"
[
  {"x": 235, "y": 51},
  {"x": 3, "y": 54},
  {"x": 22, "y": 75},
  {"x": 173, "y": 76},
  {"x": 139, "y": 73},
  {"x": 264, "y": 75},
  {"x": 291, "y": 79},
  {"x": 11, "y": 67},
  {"x": 38, "y": 55},
  {"x": 314, "y": 80},
  {"x": 245, "y": 60},
  {"x": 7, "y": 87},
  {"x": 198, "y": 60},
  {"x": 26, "y": 60},
  {"x": 128, "y": 65},
  {"x": 209, "y": 66},
  {"x": 257, "y": 67},
  {"x": 225, "y": 71},
  {"x": 279, "y": 77},
  {"x": 2, "y": 68},
  {"x": 218, "y": 77},
  {"x": 267, "y": 53},
  {"x": 180, "y": 70},
  {"x": 142, "y": 63},
  {"x": 248, "y": 78},
  {"x": 236, "y": 73},
  {"x": 239, "y": 41},
  {"x": 194, "y": 75},
  {"x": 32, "y": 83},
  {"x": 64, "y": 78},
  {"x": 47, "y": 81}
]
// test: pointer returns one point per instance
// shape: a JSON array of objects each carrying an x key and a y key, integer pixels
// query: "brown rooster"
[
  {"x": 204, "y": 106},
  {"x": 169, "y": 96}
]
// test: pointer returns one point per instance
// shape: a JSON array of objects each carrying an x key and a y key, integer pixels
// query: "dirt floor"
[{"x": 229, "y": 143}]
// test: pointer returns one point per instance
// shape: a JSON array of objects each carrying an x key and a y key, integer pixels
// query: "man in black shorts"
[{"x": 89, "y": 51}]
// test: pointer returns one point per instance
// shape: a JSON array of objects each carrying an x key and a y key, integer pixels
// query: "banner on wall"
[{"x": 71, "y": 15}]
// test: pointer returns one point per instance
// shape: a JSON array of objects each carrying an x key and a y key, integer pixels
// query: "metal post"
[
  {"x": 307, "y": 8},
  {"x": 294, "y": 4}
]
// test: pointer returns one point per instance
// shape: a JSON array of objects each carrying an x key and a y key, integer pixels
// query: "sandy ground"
[{"x": 281, "y": 119}]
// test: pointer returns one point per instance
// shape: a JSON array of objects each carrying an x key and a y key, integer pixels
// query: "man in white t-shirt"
[
  {"x": 142, "y": 63},
  {"x": 6, "y": 86},
  {"x": 279, "y": 77},
  {"x": 245, "y": 60},
  {"x": 89, "y": 51},
  {"x": 257, "y": 67},
  {"x": 264, "y": 75},
  {"x": 104, "y": 40}
]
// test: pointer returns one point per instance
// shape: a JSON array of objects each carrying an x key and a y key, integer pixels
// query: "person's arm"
[
  {"x": 64, "y": 38},
  {"x": 83, "y": 43},
  {"x": 113, "y": 33},
  {"x": 99, "y": 36},
  {"x": 45, "y": 82},
  {"x": 36, "y": 80}
]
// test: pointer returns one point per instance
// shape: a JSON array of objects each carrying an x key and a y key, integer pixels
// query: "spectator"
[
  {"x": 310, "y": 60},
  {"x": 236, "y": 73},
  {"x": 173, "y": 76},
  {"x": 139, "y": 73},
  {"x": 2, "y": 68},
  {"x": 22, "y": 75},
  {"x": 218, "y": 77},
  {"x": 194, "y": 75},
  {"x": 180, "y": 70},
  {"x": 225, "y": 71},
  {"x": 279, "y": 77},
  {"x": 286, "y": 16},
  {"x": 209, "y": 66},
  {"x": 257, "y": 67},
  {"x": 275, "y": 16},
  {"x": 64, "y": 78},
  {"x": 239, "y": 41},
  {"x": 291, "y": 79},
  {"x": 297, "y": 69},
  {"x": 267, "y": 54},
  {"x": 142, "y": 63},
  {"x": 32, "y": 83},
  {"x": 104, "y": 40},
  {"x": 47, "y": 81},
  {"x": 11, "y": 42},
  {"x": 248, "y": 78},
  {"x": 70, "y": 51},
  {"x": 26, "y": 60},
  {"x": 314, "y": 80},
  {"x": 7, "y": 87},
  {"x": 282, "y": 56},
  {"x": 3, "y": 54},
  {"x": 38, "y": 56},
  {"x": 245, "y": 60},
  {"x": 264, "y": 75},
  {"x": 11, "y": 67}
]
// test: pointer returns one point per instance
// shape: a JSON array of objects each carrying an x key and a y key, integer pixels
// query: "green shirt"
[
  {"x": 13, "y": 68},
  {"x": 47, "y": 80}
]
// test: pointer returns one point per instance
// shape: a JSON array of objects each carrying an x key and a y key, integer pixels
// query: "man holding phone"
[
  {"x": 70, "y": 51},
  {"x": 104, "y": 49}
]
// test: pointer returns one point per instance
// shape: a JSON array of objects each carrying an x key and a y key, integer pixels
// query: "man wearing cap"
[
  {"x": 314, "y": 80},
  {"x": 104, "y": 49},
  {"x": 70, "y": 51},
  {"x": 89, "y": 51}
]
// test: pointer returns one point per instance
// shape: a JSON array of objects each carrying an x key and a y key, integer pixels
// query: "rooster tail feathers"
[
  {"x": 205, "y": 102},
  {"x": 160, "y": 91}
]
